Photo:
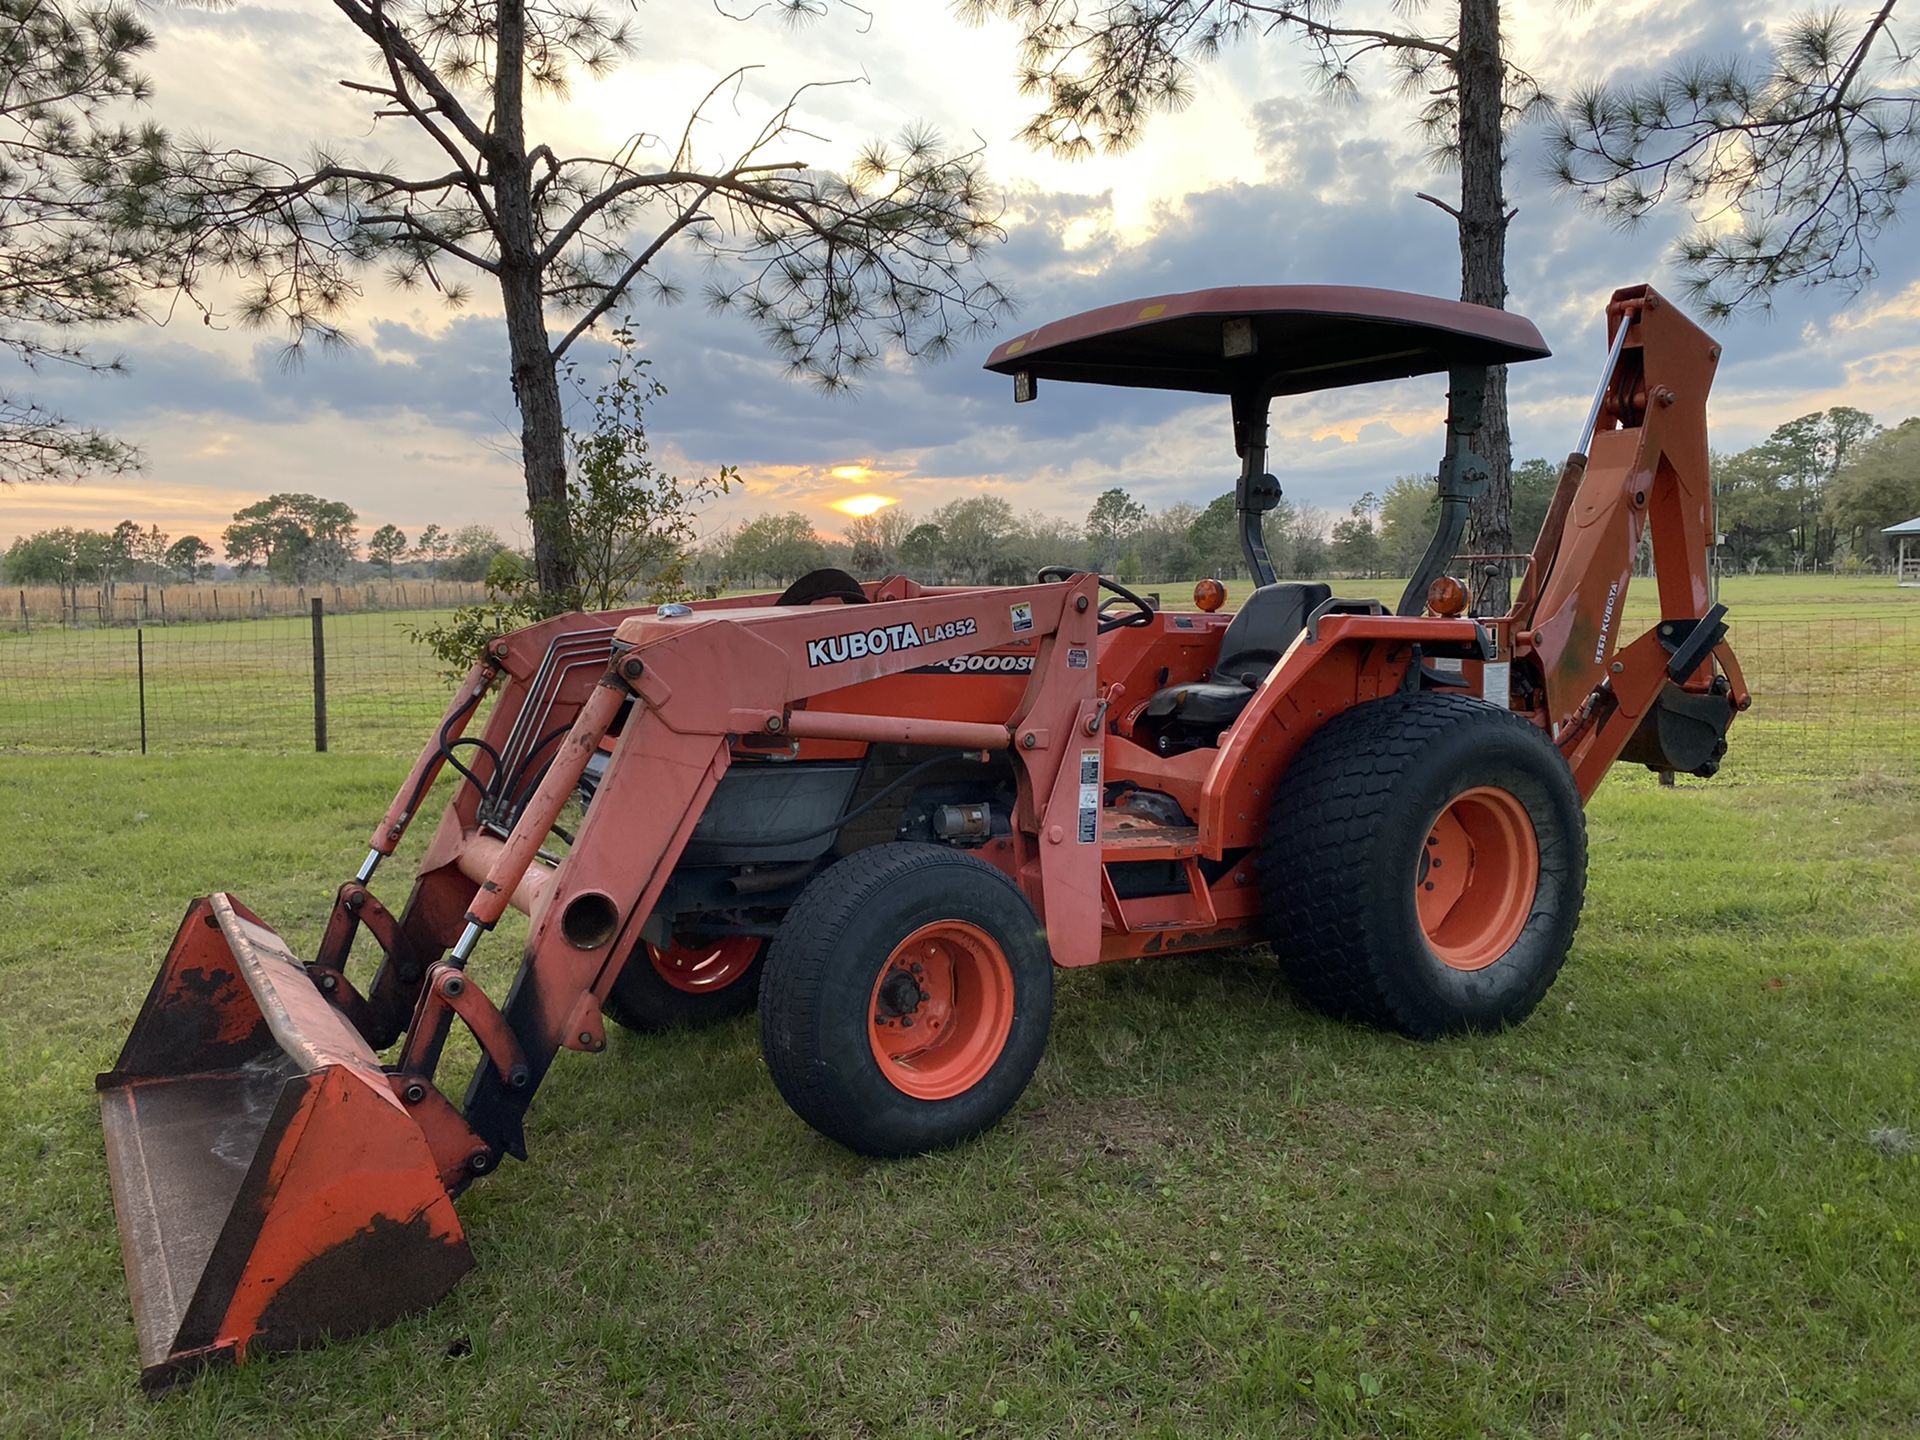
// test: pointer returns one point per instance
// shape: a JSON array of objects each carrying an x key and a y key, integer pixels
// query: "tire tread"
[
  {"x": 1317, "y": 865},
  {"x": 798, "y": 963}
]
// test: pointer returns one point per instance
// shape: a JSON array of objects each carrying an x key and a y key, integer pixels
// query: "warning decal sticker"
[
  {"x": 1022, "y": 616},
  {"x": 1495, "y": 682},
  {"x": 1089, "y": 796}
]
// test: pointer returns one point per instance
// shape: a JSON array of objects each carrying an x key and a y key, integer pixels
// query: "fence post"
[
  {"x": 26, "y": 623},
  {"x": 140, "y": 672},
  {"x": 319, "y": 679}
]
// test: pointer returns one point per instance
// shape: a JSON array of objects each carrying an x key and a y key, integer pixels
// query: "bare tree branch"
[
  {"x": 392, "y": 45},
  {"x": 75, "y": 182},
  {"x": 833, "y": 268},
  {"x": 611, "y": 294}
]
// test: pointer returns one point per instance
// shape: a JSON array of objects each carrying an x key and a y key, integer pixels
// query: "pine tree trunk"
[
  {"x": 543, "y": 451},
  {"x": 1483, "y": 281},
  {"x": 536, "y": 385}
]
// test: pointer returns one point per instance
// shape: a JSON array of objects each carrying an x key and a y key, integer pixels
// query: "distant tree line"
[
  {"x": 102, "y": 559},
  {"x": 982, "y": 540},
  {"x": 289, "y": 539},
  {"x": 1816, "y": 493}
]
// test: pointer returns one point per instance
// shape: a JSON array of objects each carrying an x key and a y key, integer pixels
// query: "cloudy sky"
[{"x": 1258, "y": 181}]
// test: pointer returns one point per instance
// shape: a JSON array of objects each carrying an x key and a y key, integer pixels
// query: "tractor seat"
[{"x": 1259, "y": 635}]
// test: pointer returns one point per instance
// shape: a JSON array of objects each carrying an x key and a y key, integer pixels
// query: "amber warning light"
[
  {"x": 1209, "y": 595},
  {"x": 1447, "y": 596}
]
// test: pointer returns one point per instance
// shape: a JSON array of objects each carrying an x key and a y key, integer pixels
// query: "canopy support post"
[
  {"x": 1256, "y": 491},
  {"x": 1463, "y": 476}
]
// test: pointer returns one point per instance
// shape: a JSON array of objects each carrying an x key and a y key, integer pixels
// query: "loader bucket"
[{"x": 271, "y": 1189}]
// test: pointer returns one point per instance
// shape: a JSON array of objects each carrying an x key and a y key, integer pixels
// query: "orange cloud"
[{"x": 99, "y": 505}]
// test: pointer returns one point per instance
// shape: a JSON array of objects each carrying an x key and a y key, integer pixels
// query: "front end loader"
[{"x": 886, "y": 811}]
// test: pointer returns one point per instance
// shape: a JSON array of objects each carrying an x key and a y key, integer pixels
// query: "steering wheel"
[
  {"x": 1142, "y": 613},
  {"x": 824, "y": 584}
]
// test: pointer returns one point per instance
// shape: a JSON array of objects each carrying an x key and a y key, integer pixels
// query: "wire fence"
[
  {"x": 1833, "y": 698},
  {"x": 148, "y": 605},
  {"x": 365, "y": 682}
]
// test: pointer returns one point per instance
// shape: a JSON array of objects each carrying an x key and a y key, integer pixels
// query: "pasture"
[
  {"x": 227, "y": 684},
  {"x": 1682, "y": 1200}
]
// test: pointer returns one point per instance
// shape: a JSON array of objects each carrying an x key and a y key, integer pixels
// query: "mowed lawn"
[{"x": 1682, "y": 1200}]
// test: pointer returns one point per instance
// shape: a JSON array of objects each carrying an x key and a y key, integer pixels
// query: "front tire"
[
  {"x": 1424, "y": 866},
  {"x": 907, "y": 999}
]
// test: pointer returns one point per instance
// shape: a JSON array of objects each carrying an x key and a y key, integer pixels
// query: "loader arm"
[
  {"x": 702, "y": 677},
  {"x": 1667, "y": 697},
  {"x": 276, "y": 1179}
]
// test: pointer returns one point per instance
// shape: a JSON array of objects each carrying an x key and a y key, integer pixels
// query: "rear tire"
[
  {"x": 1366, "y": 924},
  {"x": 907, "y": 999},
  {"x": 687, "y": 985}
]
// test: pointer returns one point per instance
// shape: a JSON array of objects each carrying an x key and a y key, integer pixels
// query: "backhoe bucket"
[{"x": 271, "y": 1189}]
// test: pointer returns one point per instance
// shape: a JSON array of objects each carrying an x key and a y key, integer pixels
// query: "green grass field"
[{"x": 1682, "y": 1200}]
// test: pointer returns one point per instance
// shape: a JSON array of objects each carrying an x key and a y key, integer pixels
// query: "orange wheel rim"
[
  {"x": 1479, "y": 873},
  {"x": 941, "y": 1010},
  {"x": 702, "y": 968}
]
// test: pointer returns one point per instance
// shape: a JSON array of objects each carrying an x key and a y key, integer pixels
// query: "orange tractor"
[{"x": 886, "y": 811}]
